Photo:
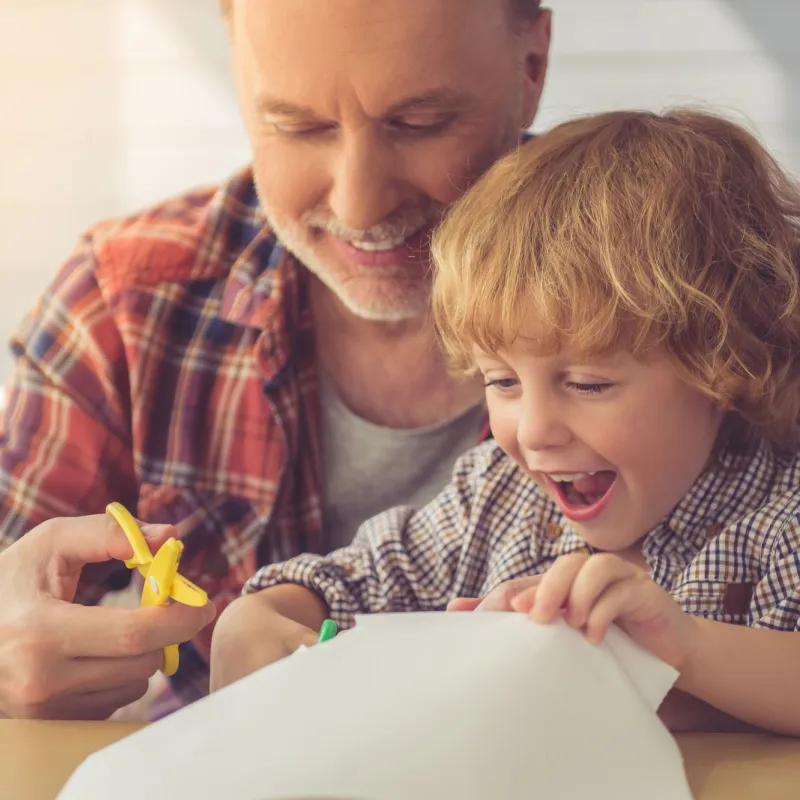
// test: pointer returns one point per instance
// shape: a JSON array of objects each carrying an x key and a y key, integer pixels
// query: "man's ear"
[{"x": 534, "y": 41}]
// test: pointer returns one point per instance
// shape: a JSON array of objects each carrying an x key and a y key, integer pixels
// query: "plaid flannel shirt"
[
  {"x": 170, "y": 366},
  {"x": 729, "y": 551}
]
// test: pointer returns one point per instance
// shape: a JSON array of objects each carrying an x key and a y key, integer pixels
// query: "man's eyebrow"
[
  {"x": 275, "y": 106},
  {"x": 450, "y": 99}
]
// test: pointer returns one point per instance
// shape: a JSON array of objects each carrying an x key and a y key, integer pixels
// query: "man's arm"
[{"x": 65, "y": 441}]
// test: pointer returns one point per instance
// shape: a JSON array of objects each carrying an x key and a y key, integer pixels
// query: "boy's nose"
[{"x": 541, "y": 429}]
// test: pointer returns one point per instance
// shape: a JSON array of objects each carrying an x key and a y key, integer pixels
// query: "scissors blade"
[
  {"x": 186, "y": 592},
  {"x": 161, "y": 575}
]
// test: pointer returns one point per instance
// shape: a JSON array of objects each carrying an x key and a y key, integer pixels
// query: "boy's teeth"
[
  {"x": 568, "y": 477},
  {"x": 387, "y": 244}
]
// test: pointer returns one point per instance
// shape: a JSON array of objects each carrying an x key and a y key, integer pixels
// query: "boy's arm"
[
  {"x": 404, "y": 559},
  {"x": 748, "y": 673},
  {"x": 401, "y": 560},
  {"x": 261, "y": 628},
  {"x": 751, "y": 673}
]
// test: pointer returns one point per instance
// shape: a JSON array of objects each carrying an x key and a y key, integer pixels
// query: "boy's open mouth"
[{"x": 582, "y": 495}]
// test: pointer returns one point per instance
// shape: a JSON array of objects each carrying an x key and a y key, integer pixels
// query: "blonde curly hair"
[{"x": 676, "y": 233}]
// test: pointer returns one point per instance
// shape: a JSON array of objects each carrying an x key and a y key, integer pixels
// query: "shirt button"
[
  {"x": 553, "y": 531},
  {"x": 714, "y": 530}
]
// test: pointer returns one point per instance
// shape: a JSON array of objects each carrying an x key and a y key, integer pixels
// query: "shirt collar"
[
  {"x": 265, "y": 287},
  {"x": 733, "y": 484}
]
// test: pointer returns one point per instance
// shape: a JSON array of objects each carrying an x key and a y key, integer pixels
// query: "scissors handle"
[
  {"x": 141, "y": 552},
  {"x": 161, "y": 579}
]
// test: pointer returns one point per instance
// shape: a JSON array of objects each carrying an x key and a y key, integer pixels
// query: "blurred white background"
[{"x": 108, "y": 105}]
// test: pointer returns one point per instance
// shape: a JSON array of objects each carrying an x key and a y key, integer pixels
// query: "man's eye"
[
  {"x": 301, "y": 131},
  {"x": 428, "y": 126}
]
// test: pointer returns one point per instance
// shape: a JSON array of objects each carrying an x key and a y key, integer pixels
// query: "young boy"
[{"x": 627, "y": 287}]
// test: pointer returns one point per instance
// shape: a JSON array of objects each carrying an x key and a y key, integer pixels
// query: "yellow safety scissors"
[{"x": 161, "y": 579}]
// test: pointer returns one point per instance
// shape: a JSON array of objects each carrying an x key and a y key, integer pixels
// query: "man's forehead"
[
  {"x": 364, "y": 26},
  {"x": 384, "y": 52}
]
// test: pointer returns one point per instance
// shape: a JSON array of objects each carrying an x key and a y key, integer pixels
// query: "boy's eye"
[
  {"x": 589, "y": 388},
  {"x": 501, "y": 383}
]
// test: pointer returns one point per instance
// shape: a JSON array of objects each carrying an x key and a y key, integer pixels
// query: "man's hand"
[
  {"x": 59, "y": 660},
  {"x": 593, "y": 591},
  {"x": 261, "y": 628}
]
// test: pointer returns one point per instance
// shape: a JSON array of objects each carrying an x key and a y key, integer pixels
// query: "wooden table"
[{"x": 36, "y": 758}]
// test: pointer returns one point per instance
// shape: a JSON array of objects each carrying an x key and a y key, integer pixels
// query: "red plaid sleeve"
[{"x": 65, "y": 443}]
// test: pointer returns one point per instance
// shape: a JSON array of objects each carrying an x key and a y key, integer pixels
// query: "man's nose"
[{"x": 365, "y": 187}]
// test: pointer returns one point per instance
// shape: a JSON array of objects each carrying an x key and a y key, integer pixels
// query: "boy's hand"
[
  {"x": 499, "y": 599},
  {"x": 249, "y": 635},
  {"x": 594, "y": 591}
]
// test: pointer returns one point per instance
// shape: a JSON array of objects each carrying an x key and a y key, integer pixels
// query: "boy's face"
[{"x": 644, "y": 433}]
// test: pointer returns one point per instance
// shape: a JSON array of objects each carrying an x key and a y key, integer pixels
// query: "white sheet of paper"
[{"x": 413, "y": 706}]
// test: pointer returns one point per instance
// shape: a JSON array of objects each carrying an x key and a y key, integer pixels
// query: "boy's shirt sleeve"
[
  {"x": 65, "y": 445},
  {"x": 404, "y": 559},
  {"x": 776, "y": 597}
]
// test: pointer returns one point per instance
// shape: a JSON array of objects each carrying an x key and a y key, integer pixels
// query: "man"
[{"x": 254, "y": 365}]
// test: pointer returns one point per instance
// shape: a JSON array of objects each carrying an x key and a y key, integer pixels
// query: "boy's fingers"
[
  {"x": 464, "y": 604},
  {"x": 612, "y": 604},
  {"x": 599, "y": 573},
  {"x": 524, "y": 601},
  {"x": 555, "y": 585}
]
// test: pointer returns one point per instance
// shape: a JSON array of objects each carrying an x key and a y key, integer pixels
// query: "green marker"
[{"x": 327, "y": 631}]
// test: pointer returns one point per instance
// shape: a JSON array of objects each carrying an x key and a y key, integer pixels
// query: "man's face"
[{"x": 367, "y": 118}]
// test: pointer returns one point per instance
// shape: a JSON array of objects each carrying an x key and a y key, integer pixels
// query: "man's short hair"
[{"x": 522, "y": 9}]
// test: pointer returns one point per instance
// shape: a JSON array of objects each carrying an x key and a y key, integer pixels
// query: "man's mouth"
[
  {"x": 392, "y": 251},
  {"x": 582, "y": 495},
  {"x": 385, "y": 244}
]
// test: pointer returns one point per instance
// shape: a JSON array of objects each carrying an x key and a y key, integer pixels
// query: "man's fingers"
[
  {"x": 464, "y": 604},
  {"x": 77, "y": 541},
  {"x": 100, "y": 632},
  {"x": 554, "y": 587},
  {"x": 96, "y": 674},
  {"x": 97, "y": 705}
]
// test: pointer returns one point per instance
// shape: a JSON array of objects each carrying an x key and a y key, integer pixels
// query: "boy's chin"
[{"x": 606, "y": 536}]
